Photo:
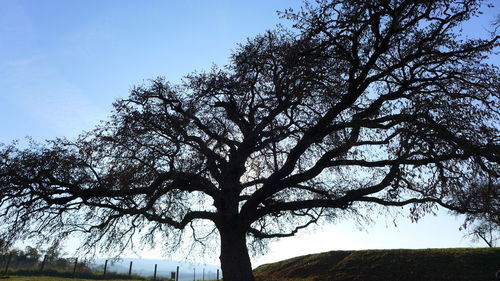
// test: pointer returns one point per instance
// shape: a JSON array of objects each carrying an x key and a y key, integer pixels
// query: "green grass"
[
  {"x": 387, "y": 265},
  {"x": 67, "y": 275}
]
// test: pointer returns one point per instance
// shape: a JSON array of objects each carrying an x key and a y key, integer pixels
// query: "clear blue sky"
[{"x": 63, "y": 63}]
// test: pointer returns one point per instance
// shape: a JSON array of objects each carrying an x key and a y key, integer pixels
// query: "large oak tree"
[{"x": 362, "y": 103}]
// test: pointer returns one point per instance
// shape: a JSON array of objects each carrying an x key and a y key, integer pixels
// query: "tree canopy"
[{"x": 362, "y": 103}]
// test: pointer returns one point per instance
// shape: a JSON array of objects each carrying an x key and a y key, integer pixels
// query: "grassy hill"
[{"x": 387, "y": 265}]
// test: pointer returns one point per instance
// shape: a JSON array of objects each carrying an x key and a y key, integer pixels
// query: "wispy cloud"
[{"x": 20, "y": 62}]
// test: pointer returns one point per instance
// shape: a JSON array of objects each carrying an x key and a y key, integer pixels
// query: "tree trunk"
[{"x": 234, "y": 258}]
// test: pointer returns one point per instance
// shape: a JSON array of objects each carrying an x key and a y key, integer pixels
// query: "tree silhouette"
[
  {"x": 484, "y": 226},
  {"x": 363, "y": 103},
  {"x": 485, "y": 231}
]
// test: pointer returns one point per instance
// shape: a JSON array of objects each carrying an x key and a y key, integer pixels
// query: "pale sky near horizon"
[{"x": 63, "y": 63}]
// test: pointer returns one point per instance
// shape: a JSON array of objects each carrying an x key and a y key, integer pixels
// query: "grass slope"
[{"x": 387, "y": 265}]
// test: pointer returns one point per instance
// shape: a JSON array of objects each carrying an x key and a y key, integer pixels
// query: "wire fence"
[{"x": 12, "y": 264}]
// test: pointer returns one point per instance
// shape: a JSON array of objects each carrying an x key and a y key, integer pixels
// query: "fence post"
[
  {"x": 74, "y": 268},
  {"x": 43, "y": 262},
  {"x": 8, "y": 263},
  {"x": 130, "y": 270},
  {"x": 154, "y": 275},
  {"x": 177, "y": 274},
  {"x": 194, "y": 274},
  {"x": 217, "y": 274},
  {"x": 105, "y": 267},
  {"x": 203, "y": 274}
]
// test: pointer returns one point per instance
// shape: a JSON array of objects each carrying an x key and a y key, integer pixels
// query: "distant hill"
[
  {"x": 145, "y": 267},
  {"x": 476, "y": 264}
]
